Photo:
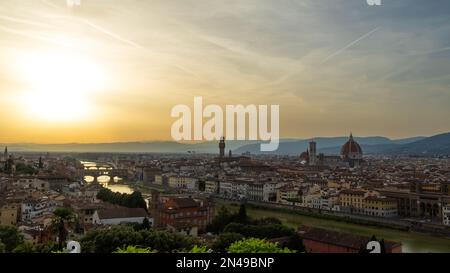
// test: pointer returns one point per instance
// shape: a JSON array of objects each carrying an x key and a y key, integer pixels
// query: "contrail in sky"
[
  {"x": 22, "y": 21},
  {"x": 98, "y": 28},
  {"x": 111, "y": 34},
  {"x": 349, "y": 45},
  {"x": 32, "y": 36}
]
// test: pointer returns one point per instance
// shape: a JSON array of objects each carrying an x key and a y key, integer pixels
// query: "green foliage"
[
  {"x": 24, "y": 169},
  {"x": 260, "y": 231},
  {"x": 144, "y": 225},
  {"x": 224, "y": 240},
  {"x": 2, "y": 247},
  {"x": 134, "y": 249},
  {"x": 134, "y": 200},
  {"x": 48, "y": 247},
  {"x": 10, "y": 237},
  {"x": 254, "y": 245},
  {"x": 242, "y": 214},
  {"x": 108, "y": 240},
  {"x": 199, "y": 249},
  {"x": 224, "y": 217},
  {"x": 27, "y": 247}
]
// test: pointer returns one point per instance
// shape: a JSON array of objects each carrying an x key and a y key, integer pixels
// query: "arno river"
[
  {"x": 412, "y": 242},
  {"x": 107, "y": 182}
]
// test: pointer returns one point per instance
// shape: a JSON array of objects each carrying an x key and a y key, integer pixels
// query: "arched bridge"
[{"x": 94, "y": 172}]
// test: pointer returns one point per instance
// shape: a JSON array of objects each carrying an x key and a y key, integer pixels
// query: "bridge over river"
[{"x": 97, "y": 170}]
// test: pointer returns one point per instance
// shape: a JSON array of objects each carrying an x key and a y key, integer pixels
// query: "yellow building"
[
  {"x": 380, "y": 206},
  {"x": 9, "y": 214},
  {"x": 352, "y": 200}
]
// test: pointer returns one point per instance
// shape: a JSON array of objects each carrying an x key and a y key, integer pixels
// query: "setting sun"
[{"x": 59, "y": 87}]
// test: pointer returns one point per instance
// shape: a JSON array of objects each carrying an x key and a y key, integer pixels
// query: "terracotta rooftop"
[
  {"x": 122, "y": 213},
  {"x": 339, "y": 238}
]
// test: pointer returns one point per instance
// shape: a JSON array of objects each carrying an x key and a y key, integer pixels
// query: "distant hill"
[
  {"x": 127, "y": 147},
  {"x": 330, "y": 145},
  {"x": 434, "y": 145}
]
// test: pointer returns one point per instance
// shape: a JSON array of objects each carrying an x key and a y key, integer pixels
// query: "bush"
[
  {"x": 199, "y": 249},
  {"x": 224, "y": 240},
  {"x": 108, "y": 240},
  {"x": 10, "y": 237},
  {"x": 254, "y": 245},
  {"x": 134, "y": 249}
]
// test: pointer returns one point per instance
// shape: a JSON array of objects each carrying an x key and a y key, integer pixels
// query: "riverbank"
[{"x": 412, "y": 241}]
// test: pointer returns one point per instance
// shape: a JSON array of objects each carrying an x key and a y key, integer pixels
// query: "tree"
[
  {"x": 295, "y": 243},
  {"x": 134, "y": 200},
  {"x": 10, "y": 237},
  {"x": 242, "y": 214},
  {"x": 224, "y": 240},
  {"x": 254, "y": 245},
  {"x": 146, "y": 224},
  {"x": 2, "y": 247},
  {"x": 223, "y": 218},
  {"x": 108, "y": 240},
  {"x": 61, "y": 218}
]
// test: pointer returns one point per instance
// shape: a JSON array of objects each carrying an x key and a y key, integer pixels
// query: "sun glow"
[{"x": 59, "y": 87}]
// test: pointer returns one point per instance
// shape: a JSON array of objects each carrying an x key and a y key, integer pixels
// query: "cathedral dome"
[
  {"x": 304, "y": 156},
  {"x": 351, "y": 149}
]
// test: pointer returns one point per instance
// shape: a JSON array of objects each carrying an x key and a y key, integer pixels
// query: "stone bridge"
[{"x": 97, "y": 172}]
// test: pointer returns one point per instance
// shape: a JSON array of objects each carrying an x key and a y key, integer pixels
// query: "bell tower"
[{"x": 222, "y": 147}]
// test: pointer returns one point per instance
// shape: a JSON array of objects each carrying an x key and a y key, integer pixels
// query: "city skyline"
[{"x": 111, "y": 71}]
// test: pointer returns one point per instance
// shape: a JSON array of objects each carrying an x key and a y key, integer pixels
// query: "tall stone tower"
[
  {"x": 312, "y": 153},
  {"x": 155, "y": 207},
  {"x": 5, "y": 154},
  {"x": 222, "y": 147}
]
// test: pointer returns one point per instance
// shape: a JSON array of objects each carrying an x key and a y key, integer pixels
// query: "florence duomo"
[{"x": 351, "y": 155}]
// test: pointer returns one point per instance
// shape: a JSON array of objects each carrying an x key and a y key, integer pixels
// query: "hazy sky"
[{"x": 111, "y": 70}]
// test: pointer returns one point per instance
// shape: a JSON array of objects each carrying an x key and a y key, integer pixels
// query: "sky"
[{"x": 111, "y": 70}]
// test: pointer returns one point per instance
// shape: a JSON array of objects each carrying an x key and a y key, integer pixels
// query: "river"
[{"x": 106, "y": 181}]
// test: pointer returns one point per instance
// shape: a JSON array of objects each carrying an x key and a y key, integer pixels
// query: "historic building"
[
  {"x": 182, "y": 214},
  {"x": 351, "y": 152},
  {"x": 421, "y": 200},
  {"x": 351, "y": 155}
]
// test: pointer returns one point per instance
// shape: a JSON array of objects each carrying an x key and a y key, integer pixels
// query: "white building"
[
  {"x": 183, "y": 182},
  {"x": 117, "y": 216}
]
